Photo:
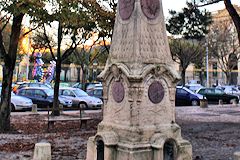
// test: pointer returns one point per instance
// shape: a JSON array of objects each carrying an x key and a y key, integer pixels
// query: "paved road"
[
  {"x": 214, "y": 113},
  {"x": 213, "y": 131}
]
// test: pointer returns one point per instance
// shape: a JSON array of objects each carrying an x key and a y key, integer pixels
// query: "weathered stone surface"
[
  {"x": 236, "y": 156},
  {"x": 42, "y": 151},
  {"x": 139, "y": 90}
]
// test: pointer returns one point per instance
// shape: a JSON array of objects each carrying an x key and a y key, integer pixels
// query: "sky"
[{"x": 179, "y": 4}]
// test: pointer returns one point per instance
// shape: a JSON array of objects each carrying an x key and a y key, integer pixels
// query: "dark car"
[
  {"x": 43, "y": 97},
  {"x": 213, "y": 95},
  {"x": 78, "y": 85},
  {"x": 16, "y": 88},
  {"x": 87, "y": 86},
  {"x": 186, "y": 97},
  {"x": 97, "y": 92}
]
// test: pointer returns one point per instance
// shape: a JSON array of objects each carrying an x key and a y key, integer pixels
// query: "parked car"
[
  {"x": 17, "y": 87},
  {"x": 186, "y": 97},
  {"x": 87, "y": 86},
  {"x": 97, "y": 92},
  {"x": 92, "y": 86},
  {"x": 78, "y": 85},
  {"x": 230, "y": 90},
  {"x": 43, "y": 97},
  {"x": 213, "y": 95},
  {"x": 193, "y": 86},
  {"x": 19, "y": 102},
  {"x": 79, "y": 97}
]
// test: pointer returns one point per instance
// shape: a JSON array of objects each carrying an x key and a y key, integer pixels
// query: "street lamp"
[{"x": 207, "y": 70}]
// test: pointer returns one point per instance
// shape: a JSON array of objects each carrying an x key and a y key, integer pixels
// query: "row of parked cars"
[
  {"x": 90, "y": 95},
  {"x": 186, "y": 96},
  {"x": 24, "y": 95}
]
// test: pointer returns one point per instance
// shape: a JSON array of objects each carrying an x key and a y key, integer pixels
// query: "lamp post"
[{"x": 207, "y": 69}]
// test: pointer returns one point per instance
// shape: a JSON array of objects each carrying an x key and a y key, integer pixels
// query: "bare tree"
[
  {"x": 230, "y": 8},
  {"x": 224, "y": 47}
]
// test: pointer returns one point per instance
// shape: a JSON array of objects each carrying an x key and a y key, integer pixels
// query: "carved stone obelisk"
[{"x": 139, "y": 90}]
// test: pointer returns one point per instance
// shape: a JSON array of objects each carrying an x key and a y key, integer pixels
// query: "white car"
[
  {"x": 20, "y": 103},
  {"x": 79, "y": 97}
]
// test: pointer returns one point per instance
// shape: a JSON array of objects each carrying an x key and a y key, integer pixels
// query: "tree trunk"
[
  {"x": 9, "y": 60},
  {"x": 78, "y": 74},
  {"x": 6, "y": 98},
  {"x": 201, "y": 77},
  {"x": 228, "y": 77},
  {"x": 183, "y": 72},
  {"x": 55, "y": 109},
  {"x": 83, "y": 74},
  {"x": 234, "y": 15},
  {"x": 65, "y": 74}
]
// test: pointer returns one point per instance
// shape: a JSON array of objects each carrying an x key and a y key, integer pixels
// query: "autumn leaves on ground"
[{"x": 67, "y": 140}]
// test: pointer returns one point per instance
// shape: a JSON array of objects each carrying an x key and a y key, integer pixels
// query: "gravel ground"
[{"x": 214, "y": 133}]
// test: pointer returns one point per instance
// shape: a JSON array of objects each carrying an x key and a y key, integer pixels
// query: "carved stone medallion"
[
  {"x": 118, "y": 91},
  {"x": 150, "y": 8},
  {"x": 156, "y": 92},
  {"x": 126, "y": 8}
]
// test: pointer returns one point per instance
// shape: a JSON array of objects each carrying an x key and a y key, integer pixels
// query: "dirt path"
[{"x": 214, "y": 133}]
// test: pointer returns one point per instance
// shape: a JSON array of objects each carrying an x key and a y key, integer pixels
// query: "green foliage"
[
  {"x": 191, "y": 23},
  {"x": 103, "y": 12},
  {"x": 185, "y": 52}
]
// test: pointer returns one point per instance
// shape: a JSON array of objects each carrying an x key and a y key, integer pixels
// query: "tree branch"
[
  {"x": 208, "y": 3},
  {"x": 48, "y": 42}
]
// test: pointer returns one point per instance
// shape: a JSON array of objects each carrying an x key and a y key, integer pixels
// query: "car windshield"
[
  {"x": 97, "y": 92},
  {"x": 188, "y": 90},
  {"x": 80, "y": 93},
  {"x": 49, "y": 92}
]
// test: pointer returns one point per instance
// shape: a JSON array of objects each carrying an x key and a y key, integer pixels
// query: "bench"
[{"x": 67, "y": 117}]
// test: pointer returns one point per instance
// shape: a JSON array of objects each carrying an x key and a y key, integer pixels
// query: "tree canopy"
[
  {"x": 188, "y": 28},
  {"x": 190, "y": 23}
]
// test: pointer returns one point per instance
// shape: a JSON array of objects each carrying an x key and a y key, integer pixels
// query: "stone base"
[{"x": 155, "y": 149}]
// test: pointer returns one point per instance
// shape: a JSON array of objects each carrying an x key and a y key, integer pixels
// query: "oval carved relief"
[
  {"x": 126, "y": 8},
  {"x": 150, "y": 8},
  {"x": 118, "y": 92},
  {"x": 156, "y": 92}
]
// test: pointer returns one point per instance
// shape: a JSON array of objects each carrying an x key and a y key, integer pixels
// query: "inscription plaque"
[
  {"x": 118, "y": 91},
  {"x": 156, "y": 92}
]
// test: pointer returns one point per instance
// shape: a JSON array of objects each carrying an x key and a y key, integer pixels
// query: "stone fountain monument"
[{"x": 139, "y": 90}]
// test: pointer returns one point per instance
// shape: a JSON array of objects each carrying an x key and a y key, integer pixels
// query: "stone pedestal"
[
  {"x": 139, "y": 91},
  {"x": 42, "y": 151},
  {"x": 236, "y": 156},
  {"x": 34, "y": 109}
]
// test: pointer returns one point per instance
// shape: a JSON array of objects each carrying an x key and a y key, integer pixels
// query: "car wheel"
[
  {"x": 194, "y": 103},
  {"x": 83, "y": 105},
  {"x": 13, "y": 108}
]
